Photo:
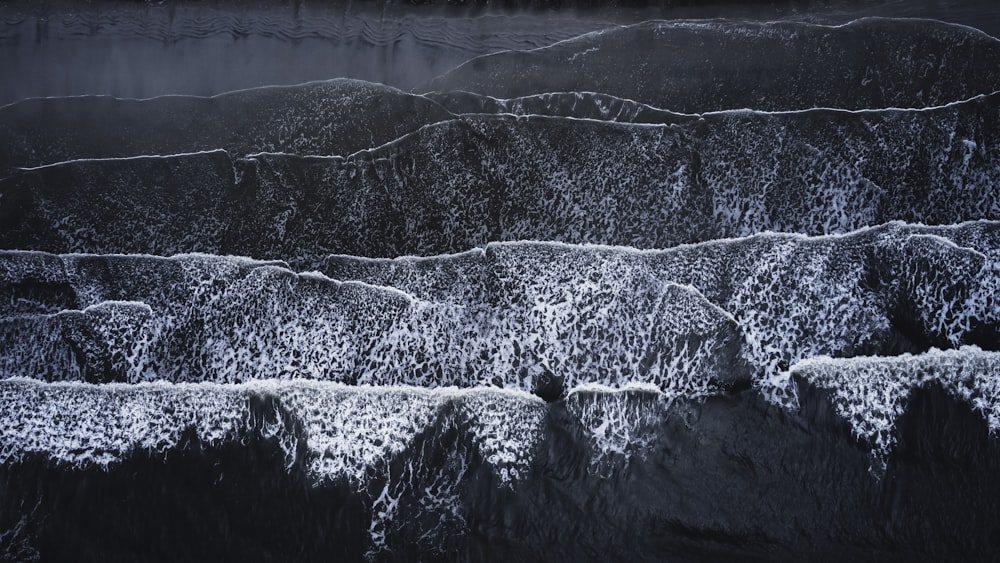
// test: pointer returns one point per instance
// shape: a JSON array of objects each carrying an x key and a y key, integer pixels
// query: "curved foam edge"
[
  {"x": 220, "y": 95},
  {"x": 629, "y": 111}
]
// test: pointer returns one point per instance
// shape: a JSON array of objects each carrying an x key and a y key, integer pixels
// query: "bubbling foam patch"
[
  {"x": 84, "y": 425},
  {"x": 619, "y": 423}
]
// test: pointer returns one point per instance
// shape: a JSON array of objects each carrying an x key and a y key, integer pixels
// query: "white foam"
[
  {"x": 871, "y": 393},
  {"x": 228, "y": 320},
  {"x": 513, "y": 313},
  {"x": 350, "y": 433},
  {"x": 86, "y": 425},
  {"x": 792, "y": 296},
  {"x": 619, "y": 423},
  {"x": 508, "y": 428}
]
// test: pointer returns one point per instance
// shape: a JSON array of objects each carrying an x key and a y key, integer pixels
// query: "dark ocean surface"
[
  {"x": 523, "y": 281},
  {"x": 146, "y": 49}
]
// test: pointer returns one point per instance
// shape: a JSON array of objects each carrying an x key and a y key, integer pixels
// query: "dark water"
[
  {"x": 730, "y": 478},
  {"x": 141, "y": 50},
  {"x": 493, "y": 287}
]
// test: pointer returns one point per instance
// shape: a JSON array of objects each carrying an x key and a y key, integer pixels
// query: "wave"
[
  {"x": 418, "y": 470},
  {"x": 463, "y": 183},
  {"x": 580, "y": 105},
  {"x": 366, "y": 438},
  {"x": 338, "y": 432},
  {"x": 887, "y": 290},
  {"x": 330, "y": 117},
  {"x": 199, "y": 318},
  {"x": 539, "y": 317},
  {"x": 340, "y": 117},
  {"x": 871, "y": 393},
  {"x": 719, "y": 65},
  {"x": 384, "y": 444}
]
